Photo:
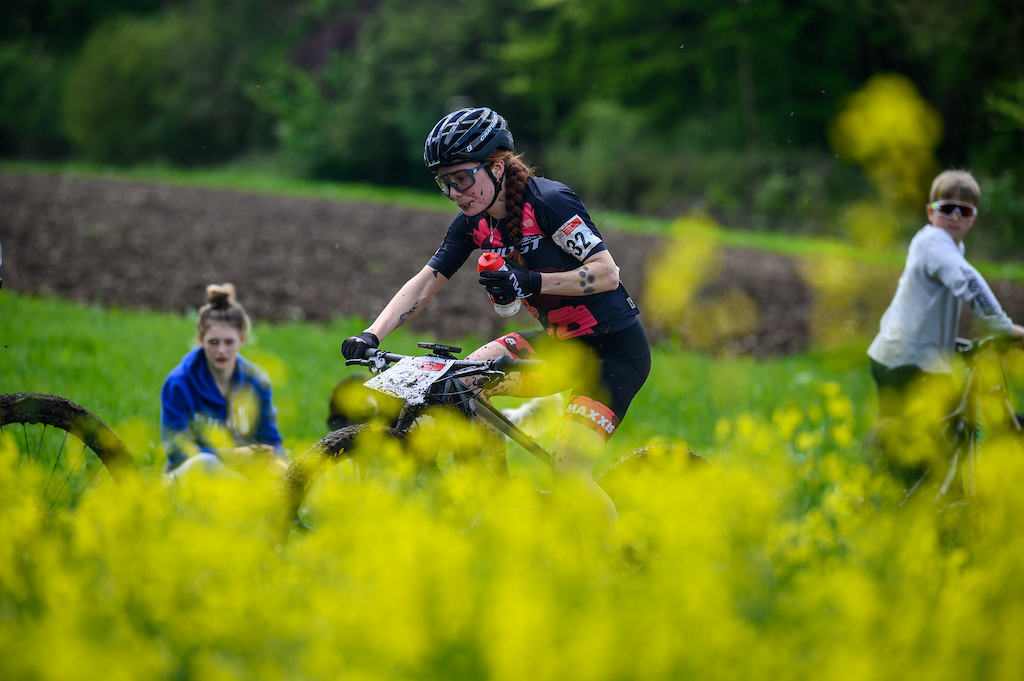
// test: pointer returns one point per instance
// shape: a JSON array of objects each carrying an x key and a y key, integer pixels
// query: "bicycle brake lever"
[
  {"x": 491, "y": 378},
  {"x": 379, "y": 362},
  {"x": 503, "y": 362}
]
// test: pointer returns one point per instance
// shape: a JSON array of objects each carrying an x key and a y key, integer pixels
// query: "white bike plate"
[{"x": 410, "y": 378}]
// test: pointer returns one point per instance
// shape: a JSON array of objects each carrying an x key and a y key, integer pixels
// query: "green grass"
[{"x": 114, "y": 361}]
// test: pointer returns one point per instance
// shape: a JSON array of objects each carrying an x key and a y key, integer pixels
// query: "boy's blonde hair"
[{"x": 955, "y": 185}]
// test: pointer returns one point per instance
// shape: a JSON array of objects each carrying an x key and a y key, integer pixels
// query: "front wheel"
[
  {"x": 304, "y": 469},
  {"x": 73, "y": 449}
]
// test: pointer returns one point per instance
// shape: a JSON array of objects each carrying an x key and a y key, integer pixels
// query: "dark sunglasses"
[
  {"x": 965, "y": 211},
  {"x": 459, "y": 180}
]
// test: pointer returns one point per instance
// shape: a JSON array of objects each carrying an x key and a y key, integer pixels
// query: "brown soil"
[{"x": 157, "y": 246}]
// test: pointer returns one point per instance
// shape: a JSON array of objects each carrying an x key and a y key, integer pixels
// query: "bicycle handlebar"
[
  {"x": 502, "y": 364},
  {"x": 966, "y": 347}
]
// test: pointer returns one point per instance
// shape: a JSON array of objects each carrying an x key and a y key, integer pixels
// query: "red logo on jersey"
[
  {"x": 570, "y": 321},
  {"x": 486, "y": 237}
]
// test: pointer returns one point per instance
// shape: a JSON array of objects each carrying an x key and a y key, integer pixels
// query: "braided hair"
[
  {"x": 517, "y": 176},
  {"x": 222, "y": 307}
]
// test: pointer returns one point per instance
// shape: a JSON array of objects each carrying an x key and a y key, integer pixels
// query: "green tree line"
[{"x": 660, "y": 107}]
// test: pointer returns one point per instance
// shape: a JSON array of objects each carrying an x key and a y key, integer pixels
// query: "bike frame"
[
  {"x": 450, "y": 391},
  {"x": 966, "y": 425}
]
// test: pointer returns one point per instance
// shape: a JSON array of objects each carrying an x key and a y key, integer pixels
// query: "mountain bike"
[
  {"x": 439, "y": 380},
  {"x": 982, "y": 411},
  {"x": 74, "y": 451}
]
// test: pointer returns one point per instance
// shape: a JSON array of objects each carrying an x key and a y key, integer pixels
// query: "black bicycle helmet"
[{"x": 466, "y": 135}]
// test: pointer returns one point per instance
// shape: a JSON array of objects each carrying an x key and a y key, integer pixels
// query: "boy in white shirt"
[{"x": 915, "y": 345}]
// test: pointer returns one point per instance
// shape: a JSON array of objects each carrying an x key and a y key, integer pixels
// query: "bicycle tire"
[
  {"x": 650, "y": 460},
  {"x": 74, "y": 420},
  {"x": 304, "y": 468}
]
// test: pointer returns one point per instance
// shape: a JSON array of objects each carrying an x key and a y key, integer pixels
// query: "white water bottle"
[{"x": 494, "y": 262}]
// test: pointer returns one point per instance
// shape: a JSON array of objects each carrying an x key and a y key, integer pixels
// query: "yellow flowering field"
[{"x": 778, "y": 559}]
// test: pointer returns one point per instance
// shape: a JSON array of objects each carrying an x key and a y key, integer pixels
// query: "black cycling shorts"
[{"x": 599, "y": 398}]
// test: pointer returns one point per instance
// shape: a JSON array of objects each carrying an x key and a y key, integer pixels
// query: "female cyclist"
[{"x": 560, "y": 267}]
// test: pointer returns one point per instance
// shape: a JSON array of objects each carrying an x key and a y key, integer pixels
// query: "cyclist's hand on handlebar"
[
  {"x": 507, "y": 285},
  {"x": 356, "y": 347}
]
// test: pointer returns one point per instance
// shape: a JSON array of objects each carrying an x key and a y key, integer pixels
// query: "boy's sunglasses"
[
  {"x": 459, "y": 180},
  {"x": 965, "y": 211}
]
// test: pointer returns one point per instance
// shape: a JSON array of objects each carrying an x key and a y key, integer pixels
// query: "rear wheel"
[
  {"x": 649, "y": 461},
  {"x": 74, "y": 451}
]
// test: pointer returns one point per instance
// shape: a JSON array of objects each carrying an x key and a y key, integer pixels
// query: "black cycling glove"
[
  {"x": 507, "y": 285},
  {"x": 355, "y": 347}
]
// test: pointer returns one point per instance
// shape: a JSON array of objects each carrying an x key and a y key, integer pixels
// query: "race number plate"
[
  {"x": 576, "y": 238},
  {"x": 410, "y": 378}
]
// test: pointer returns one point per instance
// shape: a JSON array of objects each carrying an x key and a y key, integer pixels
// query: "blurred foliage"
[
  {"x": 31, "y": 85},
  {"x": 366, "y": 82},
  {"x": 659, "y": 108},
  {"x": 785, "y": 547},
  {"x": 889, "y": 130},
  {"x": 176, "y": 86},
  {"x": 61, "y": 26},
  {"x": 613, "y": 158},
  {"x": 971, "y": 51}
]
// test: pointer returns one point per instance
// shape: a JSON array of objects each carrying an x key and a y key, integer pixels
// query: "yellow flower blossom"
[
  {"x": 787, "y": 420},
  {"x": 723, "y": 428},
  {"x": 808, "y": 440}
]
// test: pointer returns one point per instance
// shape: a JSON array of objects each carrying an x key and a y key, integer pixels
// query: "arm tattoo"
[
  {"x": 586, "y": 279},
  {"x": 436, "y": 274},
  {"x": 408, "y": 315}
]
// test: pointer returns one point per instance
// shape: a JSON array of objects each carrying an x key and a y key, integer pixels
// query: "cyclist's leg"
[
  {"x": 518, "y": 345},
  {"x": 595, "y": 411},
  {"x": 577, "y": 441},
  {"x": 533, "y": 344}
]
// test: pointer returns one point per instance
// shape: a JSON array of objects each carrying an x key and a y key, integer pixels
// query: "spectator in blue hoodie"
[{"x": 216, "y": 411}]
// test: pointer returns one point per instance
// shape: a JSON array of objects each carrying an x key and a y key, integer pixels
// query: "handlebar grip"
[
  {"x": 504, "y": 362},
  {"x": 366, "y": 358},
  {"x": 507, "y": 363}
]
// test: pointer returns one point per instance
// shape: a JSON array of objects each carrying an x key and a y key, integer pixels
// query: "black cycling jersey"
[{"x": 558, "y": 235}]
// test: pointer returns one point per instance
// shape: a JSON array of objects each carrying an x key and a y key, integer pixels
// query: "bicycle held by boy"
[{"x": 937, "y": 447}]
